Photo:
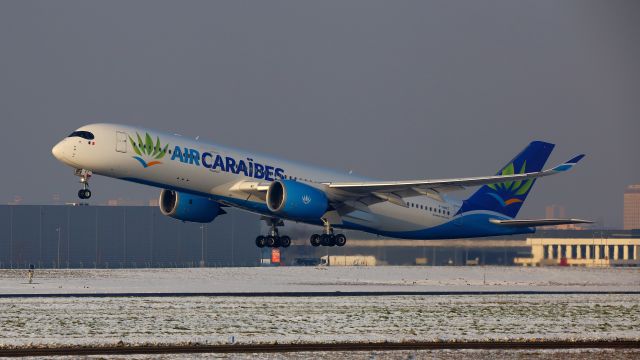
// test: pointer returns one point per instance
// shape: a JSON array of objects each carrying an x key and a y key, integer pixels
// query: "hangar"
[
  {"x": 66, "y": 236},
  {"x": 82, "y": 236}
]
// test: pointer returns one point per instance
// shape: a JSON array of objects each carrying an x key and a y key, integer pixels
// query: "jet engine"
[
  {"x": 187, "y": 207},
  {"x": 296, "y": 200}
]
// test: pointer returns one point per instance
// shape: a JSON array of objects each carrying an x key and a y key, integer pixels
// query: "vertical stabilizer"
[{"x": 507, "y": 197}]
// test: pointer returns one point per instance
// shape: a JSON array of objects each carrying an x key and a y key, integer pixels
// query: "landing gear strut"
[
  {"x": 273, "y": 239},
  {"x": 84, "y": 175},
  {"x": 327, "y": 238}
]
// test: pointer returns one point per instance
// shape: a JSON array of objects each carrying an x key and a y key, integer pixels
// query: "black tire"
[
  {"x": 341, "y": 240},
  {"x": 272, "y": 241},
  {"x": 315, "y": 240},
  {"x": 285, "y": 241},
  {"x": 81, "y": 194},
  {"x": 331, "y": 240},
  {"x": 324, "y": 240},
  {"x": 87, "y": 194},
  {"x": 261, "y": 241}
]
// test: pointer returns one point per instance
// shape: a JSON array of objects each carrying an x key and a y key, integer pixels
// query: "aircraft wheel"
[
  {"x": 272, "y": 241},
  {"x": 315, "y": 240},
  {"x": 341, "y": 240},
  {"x": 84, "y": 193},
  {"x": 331, "y": 240},
  {"x": 261, "y": 241},
  {"x": 285, "y": 241}
]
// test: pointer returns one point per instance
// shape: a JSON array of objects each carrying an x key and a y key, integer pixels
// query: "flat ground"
[
  {"x": 218, "y": 320},
  {"x": 568, "y": 354},
  {"x": 92, "y": 320},
  {"x": 309, "y": 279}
]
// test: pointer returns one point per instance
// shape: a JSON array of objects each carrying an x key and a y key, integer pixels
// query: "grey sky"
[{"x": 390, "y": 89}]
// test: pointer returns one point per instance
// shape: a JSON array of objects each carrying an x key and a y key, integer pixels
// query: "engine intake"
[
  {"x": 296, "y": 200},
  {"x": 187, "y": 207}
]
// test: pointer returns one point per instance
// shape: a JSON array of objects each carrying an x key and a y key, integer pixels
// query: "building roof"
[{"x": 633, "y": 189}]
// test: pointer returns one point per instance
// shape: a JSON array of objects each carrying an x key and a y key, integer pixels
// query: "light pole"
[
  {"x": 233, "y": 238},
  {"x": 124, "y": 235},
  {"x": 68, "y": 234},
  {"x": 202, "y": 245},
  {"x": 11, "y": 236},
  {"x": 58, "y": 263}
]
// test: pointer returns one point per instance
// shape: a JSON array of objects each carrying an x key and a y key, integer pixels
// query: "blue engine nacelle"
[
  {"x": 296, "y": 200},
  {"x": 187, "y": 207}
]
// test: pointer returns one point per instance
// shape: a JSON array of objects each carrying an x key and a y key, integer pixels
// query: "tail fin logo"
[
  {"x": 148, "y": 153},
  {"x": 512, "y": 191}
]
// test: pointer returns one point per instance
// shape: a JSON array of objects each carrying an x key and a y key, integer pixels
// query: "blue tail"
[{"x": 507, "y": 198}]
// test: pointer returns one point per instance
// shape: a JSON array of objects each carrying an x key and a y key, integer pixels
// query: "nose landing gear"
[
  {"x": 84, "y": 193},
  {"x": 84, "y": 176}
]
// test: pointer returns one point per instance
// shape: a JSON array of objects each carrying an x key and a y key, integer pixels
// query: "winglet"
[
  {"x": 575, "y": 159},
  {"x": 568, "y": 165}
]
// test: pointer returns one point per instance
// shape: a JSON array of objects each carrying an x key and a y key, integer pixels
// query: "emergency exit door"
[{"x": 121, "y": 142}]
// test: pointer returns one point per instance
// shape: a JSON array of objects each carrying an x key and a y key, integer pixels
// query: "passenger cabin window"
[{"x": 83, "y": 134}]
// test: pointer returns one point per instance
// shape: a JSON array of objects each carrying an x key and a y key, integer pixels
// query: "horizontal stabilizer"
[{"x": 538, "y": 222}]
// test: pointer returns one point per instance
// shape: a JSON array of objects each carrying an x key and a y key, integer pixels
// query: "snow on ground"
[
  {"x": 555, "y": 354},
  {"x": 135, "y": 320},
  {"x": 291, "y": 279},
  {"x": 213, "y": 320}
]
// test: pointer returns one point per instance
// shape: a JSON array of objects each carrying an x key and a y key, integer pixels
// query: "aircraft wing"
[
  {"x": 251, "y": 188},
  {"x": 393, "y": 191},
  {"x": 538, "y": 222}
]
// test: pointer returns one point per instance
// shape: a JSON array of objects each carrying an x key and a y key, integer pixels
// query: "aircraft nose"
[{"x": 57, "y": 151}]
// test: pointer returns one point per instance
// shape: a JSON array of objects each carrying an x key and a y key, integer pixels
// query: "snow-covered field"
[
  {"x": 135, "y": 320},
  {"x": 295, "y": 279},
  {"x": 564, "y": 354},
  {"x": 203, "y": 319}
]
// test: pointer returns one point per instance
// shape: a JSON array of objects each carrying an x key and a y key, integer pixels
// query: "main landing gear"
[
  {"x": 273, "y": 240},
  {"x": 328, "y": 238},
  {"x": 84, "y": 175}
]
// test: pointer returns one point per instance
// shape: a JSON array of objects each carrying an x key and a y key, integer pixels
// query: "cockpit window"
[{"x": 83, "y": 134}]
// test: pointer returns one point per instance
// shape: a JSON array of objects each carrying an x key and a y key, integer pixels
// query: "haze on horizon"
[{"x": 391, "y": 90}]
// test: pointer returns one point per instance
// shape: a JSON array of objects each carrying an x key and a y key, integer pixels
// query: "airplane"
[{"x": 198, "y": 180}]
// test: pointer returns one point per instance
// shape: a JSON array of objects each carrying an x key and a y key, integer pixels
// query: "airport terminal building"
[{"x": 66, "y": 236}]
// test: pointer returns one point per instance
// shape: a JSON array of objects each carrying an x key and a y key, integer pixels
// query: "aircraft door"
[{"x": 121, "y": 142}]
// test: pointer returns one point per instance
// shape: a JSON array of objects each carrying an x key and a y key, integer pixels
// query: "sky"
[{"x": 388, "y": 89}]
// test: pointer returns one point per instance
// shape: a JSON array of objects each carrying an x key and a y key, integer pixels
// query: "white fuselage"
[{"x": 192, "y": 170}]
